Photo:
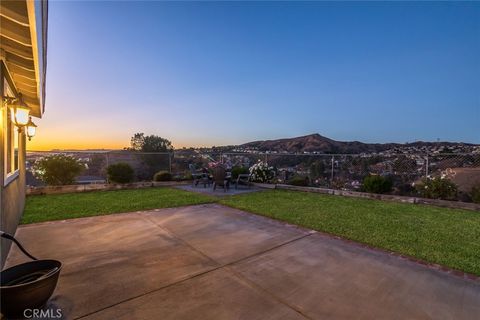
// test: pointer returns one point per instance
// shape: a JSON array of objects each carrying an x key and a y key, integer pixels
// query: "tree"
[
  {"x": 151, "y": 143},
  {"x": 151, "y": 162},
  {"x": 57, "y": 169},
  {"x": 136, "y": 142}
]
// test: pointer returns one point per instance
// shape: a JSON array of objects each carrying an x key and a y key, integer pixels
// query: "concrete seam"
[
  {"x": 256, "y": 287},
  {"x": 195, "y": 275},
  {"x": 174, "y": 235}
]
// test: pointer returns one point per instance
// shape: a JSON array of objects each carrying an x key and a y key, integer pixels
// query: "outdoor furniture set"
[{"x": 219, "y": 177}]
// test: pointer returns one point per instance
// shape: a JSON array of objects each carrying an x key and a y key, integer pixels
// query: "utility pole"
[
  {"x": 426, "y": 166},
  {"x": 107, "y": 160},
  {"x": 170, "y": 162},
  {"x": 331, "y": 176}
]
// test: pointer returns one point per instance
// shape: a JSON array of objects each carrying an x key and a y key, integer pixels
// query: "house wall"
[{"x": 12, "y": 195}]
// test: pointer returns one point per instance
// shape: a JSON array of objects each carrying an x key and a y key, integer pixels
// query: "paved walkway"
[
  {"x": 219, "y": 191},
  {"x": 214, "y": 262}
]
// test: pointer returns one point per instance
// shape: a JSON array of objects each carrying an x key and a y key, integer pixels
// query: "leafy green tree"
[
  {"x": 136, "y": 142},
  {"x": 152, "y": 163},
  {"x": 57, "y": 169},
  {"x": 151, "y": 143}
]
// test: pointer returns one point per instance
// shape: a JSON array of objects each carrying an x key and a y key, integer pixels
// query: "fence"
[
  {"x": 336, "y": 171},
  {"x": 347, "y": 171},
  {"x": 144, "y": 164}
]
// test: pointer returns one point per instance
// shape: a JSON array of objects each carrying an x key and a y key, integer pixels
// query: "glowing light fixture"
[
  {"x": 31, "y": 129},
  {"x": 20, "y": 111}
]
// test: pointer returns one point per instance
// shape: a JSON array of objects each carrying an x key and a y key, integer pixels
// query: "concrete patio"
[
  {"x": 219, "y": 191},
  {"x": 214, "y": 262}
]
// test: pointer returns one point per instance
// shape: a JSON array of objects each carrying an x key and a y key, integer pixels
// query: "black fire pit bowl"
[{"x": 28, "y": 285}]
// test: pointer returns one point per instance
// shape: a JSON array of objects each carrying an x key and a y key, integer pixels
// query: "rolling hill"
[{"x": 318, "y": 143}]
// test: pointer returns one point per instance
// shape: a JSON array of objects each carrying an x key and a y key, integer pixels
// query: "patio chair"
[
  {"x": 220, "y": 178},
  {"x": 198, "y": 176},
  {"x": 243, "y": 178}
]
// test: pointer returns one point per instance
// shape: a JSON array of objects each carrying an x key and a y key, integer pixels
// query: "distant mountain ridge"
[{"x": 318, "y": 143}]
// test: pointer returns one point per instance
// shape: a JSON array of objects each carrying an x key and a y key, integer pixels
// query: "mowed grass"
[
  {"x": 448, "y": 237},
  {"x": 75, "y": 205}
]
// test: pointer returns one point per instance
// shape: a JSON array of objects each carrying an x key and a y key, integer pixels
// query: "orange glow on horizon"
[
  {"x": 42, "y": 143},
  {"x": 53, "y": 136},
  {"x": 66, "y": 144}
]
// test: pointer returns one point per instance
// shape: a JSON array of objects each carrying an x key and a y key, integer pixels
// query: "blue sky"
[{"x": 217, "y": 73}]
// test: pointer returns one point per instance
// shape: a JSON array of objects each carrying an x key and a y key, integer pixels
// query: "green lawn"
[
  {"x": 445, "y": 236},
  {"x": 76, "y": 205},
  {"x": 449, "y": 237}
]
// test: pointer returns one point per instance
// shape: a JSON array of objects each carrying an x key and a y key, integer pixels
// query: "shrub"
[
  {"x": 437, "y": 188},
  {"x": 120, "y": 173},
  {"x": 475, "y": 193},
  {"x": 238, "y": 170},
  {"x": 162, "y": 176},
  {"x": 57, "y": 169},
  {"x": 299, "y": 181},
  {"x": 377, "y": 184},
  {"x": 338, "y": 183},
  {"x": 261, "y": 172}
]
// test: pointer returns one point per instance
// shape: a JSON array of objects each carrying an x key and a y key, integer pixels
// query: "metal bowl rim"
[{"x": 35, "y": 281}]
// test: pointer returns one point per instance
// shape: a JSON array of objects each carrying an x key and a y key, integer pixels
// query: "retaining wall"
[
  {"x": 99, "y": 187},
  {"x": 387, "y": 197}
]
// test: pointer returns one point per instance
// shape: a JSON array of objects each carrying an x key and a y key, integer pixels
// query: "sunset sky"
[{"x": 203, "y": 74}]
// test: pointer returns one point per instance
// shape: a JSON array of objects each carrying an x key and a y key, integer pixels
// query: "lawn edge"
[
  {"x": 211, "y": 200},
  {"x": 24, "y": 225},
  {"x": 430, "y": 265}
]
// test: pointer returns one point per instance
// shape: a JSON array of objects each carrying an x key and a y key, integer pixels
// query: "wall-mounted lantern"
[
  {"x": 31, "y": 129},
  {"x": 20, "y": 111}
]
